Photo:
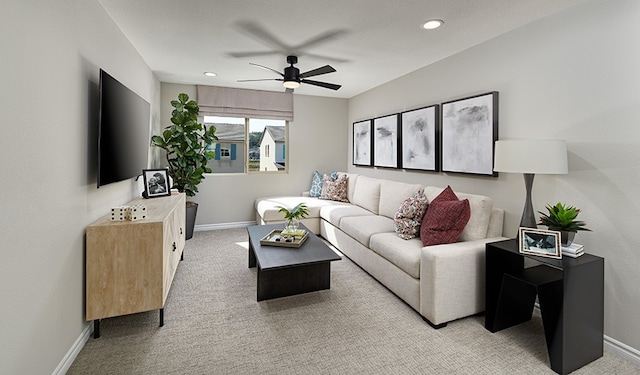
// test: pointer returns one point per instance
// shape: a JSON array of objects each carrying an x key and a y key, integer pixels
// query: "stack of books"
[{"x": 574, "y": 250}]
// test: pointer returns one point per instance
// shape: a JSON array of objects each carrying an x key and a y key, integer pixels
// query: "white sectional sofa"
[{"x": 442, "y": 282}]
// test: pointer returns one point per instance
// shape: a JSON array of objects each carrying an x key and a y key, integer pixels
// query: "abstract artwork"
[
  {"x": 469, "y": 130},
  {"x": 362, "y": 143},
  {"x": 385, "y": 141},
  {"x": 420, "y": 148}
]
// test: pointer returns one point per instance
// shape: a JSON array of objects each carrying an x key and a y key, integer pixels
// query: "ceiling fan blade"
[
  {"x": 316, "y": 72},
  {"x": 252, "y": 54},
  {"x": 326, "y": 85},
  {"x": 324, "y": 37},
  {"x": 267, "y": 68},
  {"x": 259, "y": 33},
  {"x": 264, "y": 79},
  {"x": 325, "y": 58}
]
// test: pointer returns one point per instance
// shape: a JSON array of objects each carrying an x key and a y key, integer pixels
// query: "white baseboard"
[
  {"x": 205, "y": 227},
  {"x": 73, "y": 352},
  {"x": 622, "y": 350},
  {"x": 614, "y": 346}
]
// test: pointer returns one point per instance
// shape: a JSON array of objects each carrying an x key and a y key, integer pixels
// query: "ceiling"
[{"x": 375, "y": 41}]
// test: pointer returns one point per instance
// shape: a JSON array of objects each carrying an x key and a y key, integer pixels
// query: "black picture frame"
[
  {"x": 419, "y": 139},
  {"x": 540, "y": 242},
  {"x": 469, "y": 129},
  {"x": 362, "y": 143},
  {"x": 156, "y": 183},
  {"x": 386, "y": 140}
]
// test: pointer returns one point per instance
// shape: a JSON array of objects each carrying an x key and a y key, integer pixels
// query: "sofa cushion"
[
  {"x": 404, "y": 254},
  {"x": 335, "y": 190},
  {"x": 408, "y": 217},
  {"x": 351, "y": 184},
  {"x": 445, "y": 219},
  {"x": 316, "y": 183},
  {"x": 334, "y": 213},
  {"x": 481, "y": 208},
  {"x": 366, "y": 193},
  {"x": 392, "y": 194},
  {"x": 361, "y": 228}
]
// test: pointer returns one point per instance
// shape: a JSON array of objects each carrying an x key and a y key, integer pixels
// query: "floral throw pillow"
[
  {"x": 316, "y": 183},
  {"x": 334, "y": 189},
  {"x": 407, "y": 219},
  {"x": 445, "y": 219}
]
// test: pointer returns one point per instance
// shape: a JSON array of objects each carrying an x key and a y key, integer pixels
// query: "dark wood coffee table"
[{"x": 285, "y": 271}]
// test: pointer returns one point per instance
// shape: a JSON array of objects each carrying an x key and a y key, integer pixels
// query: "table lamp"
[{"x": 530, "y": 156}]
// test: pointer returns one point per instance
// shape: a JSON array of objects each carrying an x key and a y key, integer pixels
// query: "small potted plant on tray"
[
  {"x": 562, "y": 218},
  {"x": 293, "y": 216}
]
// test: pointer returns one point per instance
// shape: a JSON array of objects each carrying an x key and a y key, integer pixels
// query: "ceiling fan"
[{"x": 292, "y": 78}]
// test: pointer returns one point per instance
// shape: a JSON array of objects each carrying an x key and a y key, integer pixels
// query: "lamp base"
[{"x": 528, "y": 217}]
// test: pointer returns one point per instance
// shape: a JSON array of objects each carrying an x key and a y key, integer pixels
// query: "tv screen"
[{"x": 123, "y": 132}]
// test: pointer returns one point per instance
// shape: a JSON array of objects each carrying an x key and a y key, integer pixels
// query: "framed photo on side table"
[
  {"x": 156, "y": 183},
  {"x": 544, "y": 243}
]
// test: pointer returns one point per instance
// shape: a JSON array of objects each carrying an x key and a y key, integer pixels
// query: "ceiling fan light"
[
  {"x": 432, "y": 24},
  {"x": 291, "y": 84},
  {"x": 210, "y": 74}
]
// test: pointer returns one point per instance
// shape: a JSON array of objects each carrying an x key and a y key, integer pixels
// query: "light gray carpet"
[{"x": 213, "y": 325}]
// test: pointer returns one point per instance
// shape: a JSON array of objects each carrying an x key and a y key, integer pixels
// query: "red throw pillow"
[{"x": 445, "y": 219}]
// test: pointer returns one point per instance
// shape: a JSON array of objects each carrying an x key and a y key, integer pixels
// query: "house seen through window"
[{"x": 247, "y": 145}]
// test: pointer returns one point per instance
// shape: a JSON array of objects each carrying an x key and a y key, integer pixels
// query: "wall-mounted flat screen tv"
[{"x": 123, "y": 132}]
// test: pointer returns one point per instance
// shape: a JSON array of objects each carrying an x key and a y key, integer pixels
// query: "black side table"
[{"x": 570, "y": 293}]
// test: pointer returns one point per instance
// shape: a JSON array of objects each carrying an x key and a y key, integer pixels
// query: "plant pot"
[
  {"x": 192, "y": 211},
  {"x": 566, "y": 238}
]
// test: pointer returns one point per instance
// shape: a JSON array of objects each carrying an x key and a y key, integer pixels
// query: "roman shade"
[{"x": 234, "y": 102}]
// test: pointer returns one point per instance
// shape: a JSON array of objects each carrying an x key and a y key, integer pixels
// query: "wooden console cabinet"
[{"x": 130, "y": 264}]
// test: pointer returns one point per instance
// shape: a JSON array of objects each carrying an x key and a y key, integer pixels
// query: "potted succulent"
[
  {"x": 188, "y": 147},
  {"x": 293, "y": 216},
  {"x": 562, "y": 218}
]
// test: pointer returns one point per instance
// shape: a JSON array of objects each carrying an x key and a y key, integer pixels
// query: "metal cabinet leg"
[
  {"x": 161, "y": 317},
  {"x": 96, "y": 328}
]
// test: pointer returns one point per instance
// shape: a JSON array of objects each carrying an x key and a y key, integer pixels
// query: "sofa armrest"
[{"x": 452, "y": 280}]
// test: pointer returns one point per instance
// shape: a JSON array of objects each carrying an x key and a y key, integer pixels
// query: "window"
[{"x": 248, "y": 145}]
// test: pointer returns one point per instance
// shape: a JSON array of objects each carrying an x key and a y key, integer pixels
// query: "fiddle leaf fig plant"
[
  {"x": 188, "y": 145},
  {"x": 562, "y": 217}
]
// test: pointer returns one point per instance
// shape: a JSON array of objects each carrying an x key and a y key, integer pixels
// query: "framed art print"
[
  {"x": 469, "y": 130},
  {"x": 385, "y": 141},
  {"x": 545, "y": 243},
  {"x": 419, "y": 139},
  {"x": 156, "y": 183},
  {"x": 362, "y": 142}
]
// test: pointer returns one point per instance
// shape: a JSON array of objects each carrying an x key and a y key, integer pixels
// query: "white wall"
[
  {"x": 317, "y": 141},
  {"x": 573, "y": 76},
  {"x": 52, "y": 52}
]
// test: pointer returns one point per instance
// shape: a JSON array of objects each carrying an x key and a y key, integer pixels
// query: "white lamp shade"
[{"x": 535, "y": 156}]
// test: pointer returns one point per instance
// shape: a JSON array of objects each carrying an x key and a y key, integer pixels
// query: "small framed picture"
[
  {"x": 545, "y": 243},
  {"x": 156, "y": 183},
  {"x": 385, "y": 141},
  {"x": 362, "y": 141}
]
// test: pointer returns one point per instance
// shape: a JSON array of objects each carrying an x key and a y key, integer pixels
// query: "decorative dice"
[
  {"x": 119, "y": 213},
  {"x": 132, "y": 213},
  {"x": 136, "y": 212}
]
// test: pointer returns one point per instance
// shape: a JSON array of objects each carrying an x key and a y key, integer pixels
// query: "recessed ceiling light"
[
  {"x": 209, "y": 74},
  {"x": 432, "y": 24}
]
